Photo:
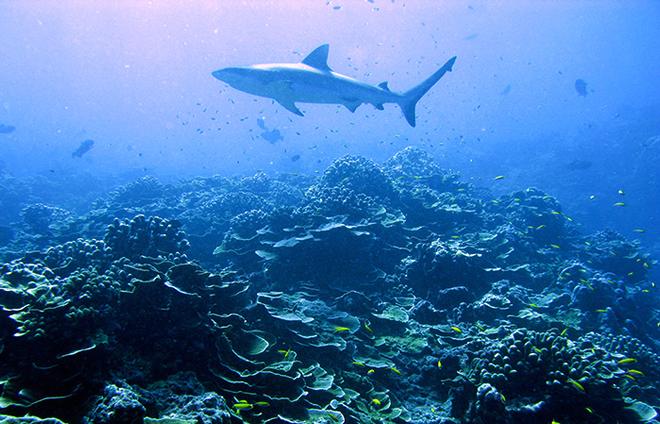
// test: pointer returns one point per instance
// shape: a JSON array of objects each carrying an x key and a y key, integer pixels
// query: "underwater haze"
[{"x": 325, "y": 211}]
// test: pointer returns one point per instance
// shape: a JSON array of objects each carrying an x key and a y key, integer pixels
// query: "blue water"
[{"x": 109, "y": 110}]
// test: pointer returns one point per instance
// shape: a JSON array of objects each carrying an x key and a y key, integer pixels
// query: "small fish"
[
  {"x": 588, "y": 410},
  {"x": 621, "y": 193},
  {"x": 368, "y": 328},
  {"x": 555, "y": 246},
  {"x": 629, "y": 377},
  {"x": 340, "y": 329},
  {"x": 540, "y": 227},
  {"x": 555, "y": 213},
  {"x": 7, "y": 129},
  {"x": 395, "y": 371},
  {"x": 439, "y": 364},
  {"x": 601, "y": 311},
  {"x": 359, "y": 364},
  {"x": 639, "y": 230},
  {"x": 376, "y": 402},
  {"x": 636, "y": 372},
  {"x": 626, "y": 361},
  {"x": 577, "y": 385},
  {"x": 84, "y": 147},
  {"x": 499, "y": 177},
  {"x": 284, "y": 352},
  {"x": 619, "y": 204},
  {"x": 581, "y": 87},
  {"x": 578, "y": 165},
  {"x": 563, "y": 332},
  {"x": 534, "y": 305},
  {"x": 592, "y": 197},
  {"x": 536, "y": 349},
  {"x": 455, "y": 237},
  {"x": 242, "y": 406},
  {"x": 371, "y": 371},
  {"x": 502, "y": 397},
  {"x": 273, "y": 136},
  {"x": 456, "y": 329},
  {"x": 554, "y": 422},
  {"x": 262, "y": 403}
]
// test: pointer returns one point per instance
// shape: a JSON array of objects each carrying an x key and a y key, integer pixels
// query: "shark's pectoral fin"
[
  {"x": 379, "y": 106},
  {"x": 290, "y": 106}
]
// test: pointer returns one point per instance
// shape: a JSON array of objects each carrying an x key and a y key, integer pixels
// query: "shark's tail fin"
[{"x": 410, "y": 98}]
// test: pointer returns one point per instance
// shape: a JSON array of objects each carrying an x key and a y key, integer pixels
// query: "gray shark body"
[{"x": 312, "y": 81}]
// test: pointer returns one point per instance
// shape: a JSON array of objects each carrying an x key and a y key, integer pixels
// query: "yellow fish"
[
  {"x": 439, "y": 363},
  {"x": 637, "y": 372},
  {"x": 639, "y": 230},
  {"x": 368, "y": 328},
  {"x": 499, "y": 177},
  {"x": 626, "y": 361},
  {"x": 555, "y": 246},
  {"x": 456, "y": 329},
  {"x": 241, "y": 406},
  {"x": 376, "y": 402},
  {"x": 340, "y": 329},
  {"x": 396, "y": 371},
  {"x": 555, "y": 213},
  {"x": 601, "y": 311},
  {"x": 576, "y": 384},
  {"x": 262, "y": 403},
  {"x": 619, "y": 204},
  {"x": 371, "y": 371}
]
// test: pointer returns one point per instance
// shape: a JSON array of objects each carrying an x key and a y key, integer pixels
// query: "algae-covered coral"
[{"x": 374, "y": 293}]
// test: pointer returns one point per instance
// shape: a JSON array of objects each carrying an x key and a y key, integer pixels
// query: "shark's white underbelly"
[{"x": 328, "y": 89}]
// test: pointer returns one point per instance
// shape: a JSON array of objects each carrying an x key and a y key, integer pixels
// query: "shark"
[{"x": 313, "y": 81}]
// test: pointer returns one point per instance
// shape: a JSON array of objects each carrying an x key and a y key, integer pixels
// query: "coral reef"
[{"x": 373, "y": 293}]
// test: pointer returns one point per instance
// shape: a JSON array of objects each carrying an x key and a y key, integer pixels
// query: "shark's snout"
[
  {"x": 219, "y": 74},
  {"x": 229, "y": 75}
]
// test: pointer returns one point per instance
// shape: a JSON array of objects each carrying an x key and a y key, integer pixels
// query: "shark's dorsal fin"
[
  {"x": 318, "y": 58},
  {"x": 384, "y": 86}
]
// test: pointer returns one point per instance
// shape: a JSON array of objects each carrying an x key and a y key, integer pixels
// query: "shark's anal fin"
[
  {"x": 318, "y": 58},
  {"x": 290, "y": 106}
]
